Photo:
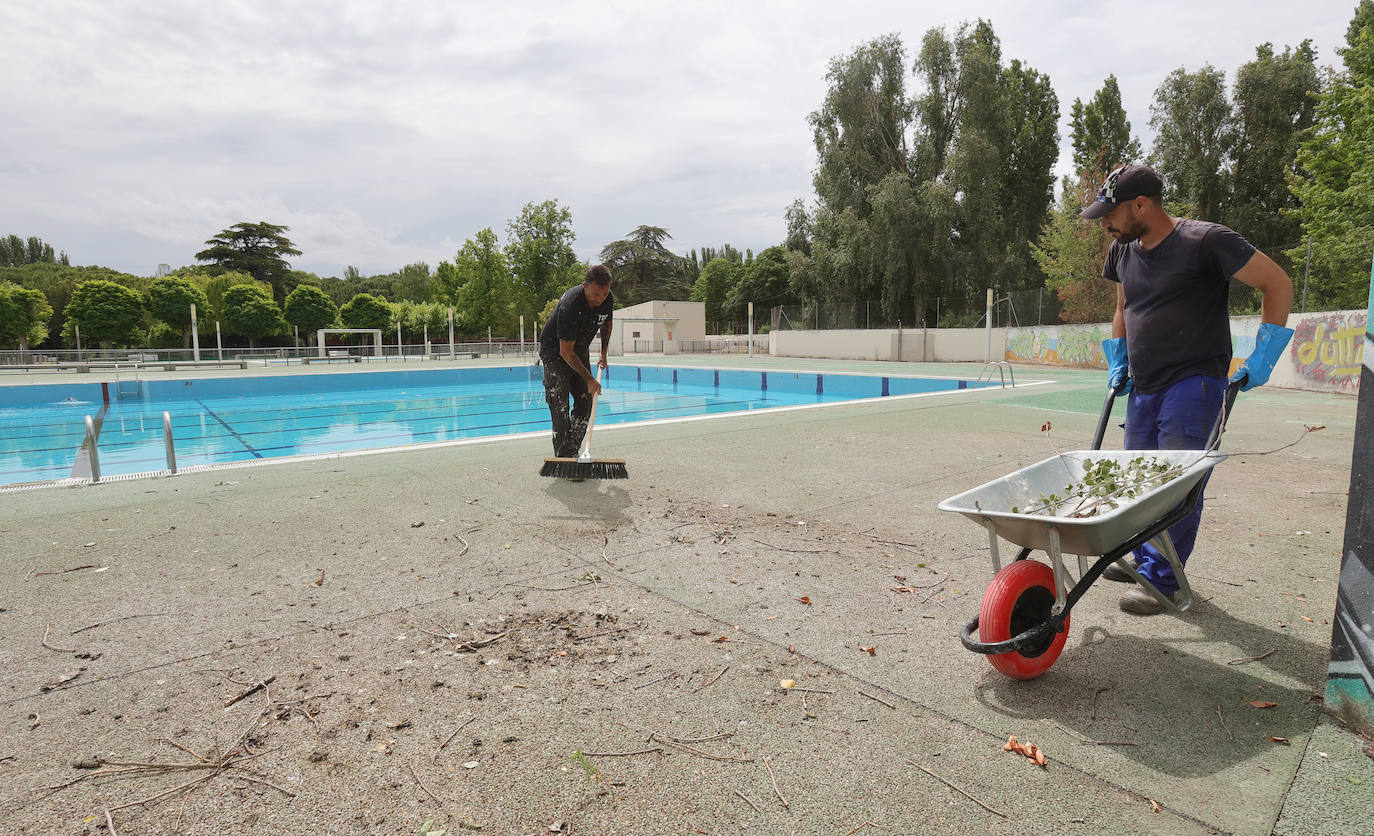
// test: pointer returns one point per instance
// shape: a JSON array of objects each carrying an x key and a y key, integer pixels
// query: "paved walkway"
[{"x": 453, "y": 639}]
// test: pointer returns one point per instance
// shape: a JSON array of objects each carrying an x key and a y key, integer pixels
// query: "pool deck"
[{"x": 454, "y": 639}]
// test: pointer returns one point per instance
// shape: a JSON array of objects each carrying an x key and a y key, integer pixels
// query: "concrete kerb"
[{"x": 721, "y": 530}]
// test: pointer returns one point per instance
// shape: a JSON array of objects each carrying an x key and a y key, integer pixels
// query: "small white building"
[{"x": 653, "y": 327}]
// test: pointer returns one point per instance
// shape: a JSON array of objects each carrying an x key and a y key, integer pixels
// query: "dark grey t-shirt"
[
  {"x": 1177, "y": 314},
  {"x": 573, "y": 319}
]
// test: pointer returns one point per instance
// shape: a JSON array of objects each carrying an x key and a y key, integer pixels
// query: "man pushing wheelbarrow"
[
  {"x": 1170, "y": 351},
  {"x": 1171, "y": 336}
]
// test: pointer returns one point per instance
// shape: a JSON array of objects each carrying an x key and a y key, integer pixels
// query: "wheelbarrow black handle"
[
  {"x": 1232, "y": 389},
  {"x": 1107, "y": 414}
]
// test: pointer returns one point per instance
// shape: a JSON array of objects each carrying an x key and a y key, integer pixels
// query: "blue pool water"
[{"x": 223, "y": 420}]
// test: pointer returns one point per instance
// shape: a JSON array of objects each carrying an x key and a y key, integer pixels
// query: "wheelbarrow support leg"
[{"x": 1165, "y": 544}]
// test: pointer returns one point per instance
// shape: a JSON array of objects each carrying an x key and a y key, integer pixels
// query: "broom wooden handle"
[{"x": 591, "y": 422}]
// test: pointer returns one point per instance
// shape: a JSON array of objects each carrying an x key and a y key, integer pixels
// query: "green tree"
[
  {"x": 718, "y": 277},
  {"x": 16, "y": 252},
  {"x": 763, "y": 281},
  {"x": 643, "y": 268},
  {"x": 412, "y": 283},
  {"x": 170, "y": 299},
  {"x": 446, "y": 284},
  {"x": 250, "y": 312},
  {"x": 216, "y": 286},
  {"x": 258, "y": 249},
  {"x": 1071, "y": 251},
  {"x": 540, "y": 255},
  {"x": 1101, "y": 132},
  {"x": 1194, "y": 134},
  {"x": 58, "y": 282},
  {"x": 366, "y": 311},
  {"x": 309, "y": 308},
  {"x": 106, "y": 312},
  {"x": 1275, "y": 101},
  {"x": 485, "y": 289},
  {"x": 24, "y": 316},
  {"x": 1335, "y": 179}
]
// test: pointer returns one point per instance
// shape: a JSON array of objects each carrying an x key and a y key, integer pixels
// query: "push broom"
[{"x": 584, "y": 466}]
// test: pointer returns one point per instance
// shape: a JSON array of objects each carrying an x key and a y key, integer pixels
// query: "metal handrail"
[
  {"x": 92, "y": 456},
  {"x": 167, "y": 436}
]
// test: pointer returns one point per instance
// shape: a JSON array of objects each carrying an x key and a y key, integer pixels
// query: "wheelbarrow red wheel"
[{"x": 1019, "y": 598}]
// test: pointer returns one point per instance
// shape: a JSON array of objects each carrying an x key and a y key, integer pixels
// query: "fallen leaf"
[
  {"x": 788, "y": 683},
  {"x": 417, "y": 524},
  {"x": 698, "y": 632},
  {"x": 721, "y": 639},
  {"x": 320, "y": 580},
  {"x": 871, "y": 651},
  {"x": 1316, "y": 428},
  {"x": 1154, "y": 805},
  {"x": 1262, "y": 703},
  {"x": 805, "y": 599},
  {"x": 1282, "y": 740},
  {"x": 1011, "y": 744},
  {"x": 1305, "y": 618},
  {"x": 791, "y": 648}
]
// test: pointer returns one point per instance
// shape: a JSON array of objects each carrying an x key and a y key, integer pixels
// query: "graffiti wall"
[
  {"x": 1078, "y": 346},
  {"x": 1326, "y": 354},
  {"x": 1350, "y": 676}
]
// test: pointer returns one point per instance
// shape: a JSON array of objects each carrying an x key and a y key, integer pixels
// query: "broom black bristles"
[{"x": 561, "y": 468}]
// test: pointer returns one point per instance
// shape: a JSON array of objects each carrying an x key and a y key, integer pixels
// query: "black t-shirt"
[
  {"x": 573, "y": 319},
  {"x": 1177, "y": 314}
]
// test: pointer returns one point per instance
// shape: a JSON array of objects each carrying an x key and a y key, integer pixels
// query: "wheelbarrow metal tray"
[{"x": 1095, "y": 535}]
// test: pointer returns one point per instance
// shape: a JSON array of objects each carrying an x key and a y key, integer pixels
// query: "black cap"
[{"x": 1125, "y": 184}]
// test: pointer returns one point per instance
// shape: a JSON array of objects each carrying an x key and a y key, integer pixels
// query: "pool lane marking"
[{"x": 230, "y": 429}]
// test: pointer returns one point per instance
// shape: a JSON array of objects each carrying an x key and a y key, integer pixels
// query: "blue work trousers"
[{"x": 1179, "y": 417}]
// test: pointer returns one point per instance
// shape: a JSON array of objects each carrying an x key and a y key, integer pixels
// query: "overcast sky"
[{"x": 384, "y": 133}]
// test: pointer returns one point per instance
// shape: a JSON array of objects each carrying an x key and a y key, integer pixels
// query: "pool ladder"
[
  {"x": 132, "y": 390},
  {"x": 1003, "y": 369},
  {"x": 93, "y": 455}
]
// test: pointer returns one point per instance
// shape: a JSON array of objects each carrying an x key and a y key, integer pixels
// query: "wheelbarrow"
[{"x": 1023, "y": 620}]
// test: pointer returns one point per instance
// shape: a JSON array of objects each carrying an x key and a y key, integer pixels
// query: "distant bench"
[
  {"x": 332, "y": 358},
  {"x": 173, "y": 365}
]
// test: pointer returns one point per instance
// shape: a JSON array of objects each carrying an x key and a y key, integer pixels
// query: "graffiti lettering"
[{"x": 1330, "y": 350}]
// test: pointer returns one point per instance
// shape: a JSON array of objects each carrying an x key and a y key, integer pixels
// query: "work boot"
[
  {"x": 1139, "y": 602},
  {"x": 1116, "y": 573}
]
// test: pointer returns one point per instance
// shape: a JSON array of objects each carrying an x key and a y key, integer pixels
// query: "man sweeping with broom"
[{"x": 564, "y": 349}]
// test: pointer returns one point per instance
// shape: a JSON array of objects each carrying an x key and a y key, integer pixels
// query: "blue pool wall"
[{"x": 619, "y": 376}]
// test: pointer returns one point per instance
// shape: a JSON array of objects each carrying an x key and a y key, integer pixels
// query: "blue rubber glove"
[
  {"x": 1269, "y": 345},
  {"x": 1118, "y": 365}
]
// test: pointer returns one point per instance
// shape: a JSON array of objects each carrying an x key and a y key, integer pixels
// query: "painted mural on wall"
[
  {"x": 1328, "y": 349},
  {"x": 1350, "y": 675},
  {"x": 1078, "y": 346},
  {"x": 1326, "y": 353}
]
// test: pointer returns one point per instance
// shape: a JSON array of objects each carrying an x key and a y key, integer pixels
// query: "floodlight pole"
[
  {"x": 451, "y": 353},
  {"x": 751, "y": 330},
  {"x": 522, "y": 335},
  {"x": 219, "y": 342},
  {"x": 195, "y": 335},
  {"x": 988, "y": 325}
]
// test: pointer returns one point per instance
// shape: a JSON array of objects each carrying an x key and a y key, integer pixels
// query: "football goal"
[{"x": 375, "y": 332}]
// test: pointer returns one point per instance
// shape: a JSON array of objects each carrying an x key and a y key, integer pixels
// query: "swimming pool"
[{"x": 219, "y": 421}]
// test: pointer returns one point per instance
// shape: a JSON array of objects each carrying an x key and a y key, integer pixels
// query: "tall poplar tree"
[
  {"x": 1194, "y": 135},
  {"x": 1335, "y": 183}
]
